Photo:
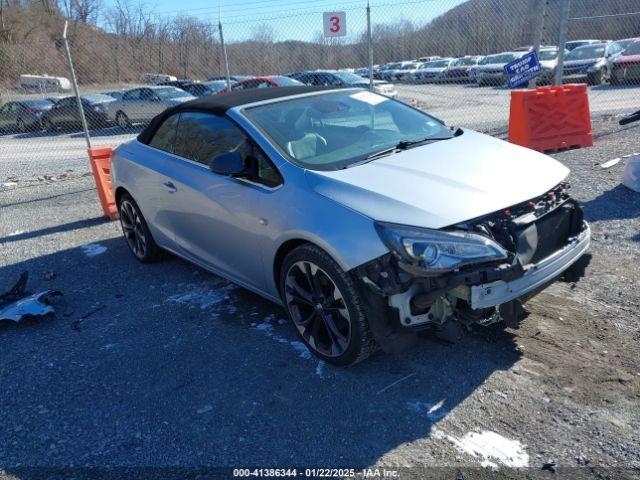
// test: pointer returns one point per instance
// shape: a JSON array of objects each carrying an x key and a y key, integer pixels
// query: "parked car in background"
[
  {"x": 548, "y": 57},
  {"x": 265, "y": 82},
  {"x": 458, "y": 70},
  {"x": 216, "y": 86},
  {"x": 573, "y": 44},
  {"x": 490, "y": 70},
  {"x": 591, "y": 63},
  {"x": 140, "y": 105},
  {"x": 332, "y": 78},
  {"x": 363, "y": 72},
  {"x": 626, "y": 67},
  {"x": 428, "y": 59},
  {"x": 157, "y": 78},
  {"x": 433, "y": 71},
  {"x": 366, "y": 219},
  {"x": 64, "y": 114},
  {"x": 232, "y": 78},
  {"x": 626, "y": 42},
  {"x": 117, "y": 94},
  {"x": 44, "y": 83},
  {"x": 23, "y": 115},
  {"x": 196, "y": 89},
  {"x": 406, "y": 72},
  {"x": 388, "y": 74}
]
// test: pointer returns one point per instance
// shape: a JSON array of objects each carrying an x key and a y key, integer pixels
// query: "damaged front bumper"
[
  {"x": 544, "y": 239},
  {"x": 499, "y": 292}
]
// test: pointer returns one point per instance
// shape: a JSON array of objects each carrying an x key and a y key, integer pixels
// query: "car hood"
[
  {"x": 442, "y": 183},
  {"x": 628, "y": 59},
  {"x": 491, "y": 66},
  {"x": 575, "y": 63}
]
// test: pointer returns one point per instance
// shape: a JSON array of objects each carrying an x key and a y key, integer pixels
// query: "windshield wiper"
[{"x": 405, "y": 144}]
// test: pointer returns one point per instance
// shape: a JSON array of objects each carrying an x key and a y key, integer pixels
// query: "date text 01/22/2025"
[{"x": 315, "y": 472}]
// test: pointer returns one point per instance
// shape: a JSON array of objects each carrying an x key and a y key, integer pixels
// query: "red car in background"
[
  {"x": 626, "y": 68},
  {"x": 264, "y": 82}
]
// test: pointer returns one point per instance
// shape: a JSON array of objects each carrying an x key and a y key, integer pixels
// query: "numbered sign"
[{"x": 335, "y": 24}]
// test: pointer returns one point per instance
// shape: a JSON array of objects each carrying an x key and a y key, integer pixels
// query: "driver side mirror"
[{"x": 228, "y": 163}]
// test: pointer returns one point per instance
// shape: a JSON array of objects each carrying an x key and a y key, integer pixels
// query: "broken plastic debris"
[
  {"x": 631, "y": 177},
  {"x": 15, "y": 306},
  {"x": 610, "y": 163},
  {"x": 29, "y": 307}
]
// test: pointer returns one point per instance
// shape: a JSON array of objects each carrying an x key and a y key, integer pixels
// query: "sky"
[{"x": 297, "y": 19}]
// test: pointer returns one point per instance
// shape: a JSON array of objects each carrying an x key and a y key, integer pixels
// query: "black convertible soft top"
[{"x": 218, "y": 104}]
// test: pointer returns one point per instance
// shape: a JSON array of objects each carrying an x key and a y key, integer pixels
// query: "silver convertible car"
[{"x": 366, "y": 219}]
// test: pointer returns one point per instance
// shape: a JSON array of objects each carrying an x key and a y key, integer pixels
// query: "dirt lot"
[{"x": 170, "y": 366}]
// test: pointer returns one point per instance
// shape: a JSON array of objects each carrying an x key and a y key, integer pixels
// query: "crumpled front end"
[{"x": 534, "y": 243}]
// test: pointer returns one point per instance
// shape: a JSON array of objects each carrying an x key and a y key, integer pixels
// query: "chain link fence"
[{"x": 445, "y": 56}]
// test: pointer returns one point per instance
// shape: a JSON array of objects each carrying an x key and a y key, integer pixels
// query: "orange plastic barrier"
[
  {"x": 549, "y": 119},
  {"x": 100, "y": 158}
]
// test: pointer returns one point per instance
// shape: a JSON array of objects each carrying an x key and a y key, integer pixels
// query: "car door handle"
[{"x": 171, "y": 187}]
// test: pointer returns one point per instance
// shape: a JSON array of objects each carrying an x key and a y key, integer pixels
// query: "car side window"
[
  {"x": 264, "y": 84},
  {"x": 147, "y": 95},
  {"x": 165, "y": 136},
  {"x": 131, "y": 95},
  {"x": 202, "y": 136}
]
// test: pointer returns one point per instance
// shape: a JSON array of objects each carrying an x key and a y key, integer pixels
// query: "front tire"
[
  {"x": 136, "y": 232},
  {"x": 123, "y": 121},
  {"x": 323, "y": 303}
]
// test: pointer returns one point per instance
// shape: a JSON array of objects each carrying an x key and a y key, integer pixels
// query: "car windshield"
[
  {"x": 216, "y": 85},
  {"x": 341, "y": 129},
  {"x": 170, "y": 92},
  {"x": 626, "y": 43},
  {"x": 500, "y": 58},
  {"x": 633, "y": 49},
  {"x": 463, "y": 62},
  {"x": 286, "y": 81},
  {"x": 585, "y": 53},
  {"x": 349, "y": 77},
  {"x": 548, "y": 54}
]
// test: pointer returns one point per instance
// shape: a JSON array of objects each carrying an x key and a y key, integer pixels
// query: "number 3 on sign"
[{"x": 335, "y": 24}]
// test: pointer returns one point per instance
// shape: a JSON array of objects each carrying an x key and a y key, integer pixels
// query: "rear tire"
[
  {"x": 136, "y": 232},
  {"x": 21, "y": 126},
  {"x": 323, "y": 303},
  {"x": 48, "y": 125}
]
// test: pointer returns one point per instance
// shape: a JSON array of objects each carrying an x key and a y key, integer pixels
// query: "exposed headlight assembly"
[{"x": 438, "y": 251}]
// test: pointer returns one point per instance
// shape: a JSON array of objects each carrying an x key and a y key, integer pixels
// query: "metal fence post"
[
  {"x": 224, "y": 52},
  {"x": 541, "y": 13},
  {"x": 74, "y": 80},
  {"x": 370, "y": 46},
  {"x": 562, "y": 40}
]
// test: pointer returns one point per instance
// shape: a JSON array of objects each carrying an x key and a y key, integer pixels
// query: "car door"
[
  {"x": 151, "y": 183},
  {"x": 131, "y": 105},
  {"x": 150, "y": 104},
  {"x": 219, "y": 220},
  {"x": 7, "y": 119}
]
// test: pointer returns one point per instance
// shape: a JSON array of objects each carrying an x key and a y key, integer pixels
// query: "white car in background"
[{"x": 433, "y": 71}]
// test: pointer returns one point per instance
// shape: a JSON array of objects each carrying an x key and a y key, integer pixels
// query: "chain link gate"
[{"x": 443, "y": 56}]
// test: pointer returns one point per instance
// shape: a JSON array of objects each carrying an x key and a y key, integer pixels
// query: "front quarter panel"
[{"x": 299, "y": 213}]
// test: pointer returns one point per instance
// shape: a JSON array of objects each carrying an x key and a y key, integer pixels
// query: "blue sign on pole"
[{"x": 523, "y": 69}]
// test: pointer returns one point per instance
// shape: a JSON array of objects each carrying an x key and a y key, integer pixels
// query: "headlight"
[
  {"x": 597, "y": 66},
  {"x": 436, "y": 250}
]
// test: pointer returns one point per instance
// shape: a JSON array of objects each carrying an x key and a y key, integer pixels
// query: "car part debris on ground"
[
  {"x": 15, "y": 306},
  {"x": 631, "y": 178}
]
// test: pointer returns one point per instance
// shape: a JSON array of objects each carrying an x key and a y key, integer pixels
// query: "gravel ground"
[{"x": 169, "y": 366}]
